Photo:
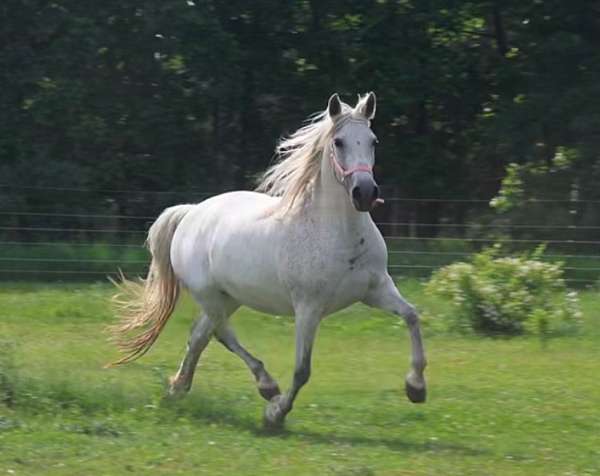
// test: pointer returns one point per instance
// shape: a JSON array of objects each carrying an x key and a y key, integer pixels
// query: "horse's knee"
[
  {"x": 410, "y": 315},
  {"x": 224, "y": 343},
  {"x": 301, "y": 376}
]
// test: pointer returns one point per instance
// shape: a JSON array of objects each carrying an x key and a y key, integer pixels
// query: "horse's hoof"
[
  {"x": 176, "y": 389},
  {"x": 274, "y": 415},
  {"x": 416, "y": 394},
  {"x": 174, "y": 393},
  {"x": 268, "y": 391}
]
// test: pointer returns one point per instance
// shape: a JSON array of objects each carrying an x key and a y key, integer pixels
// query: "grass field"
[{"x": 496, "y": 407}]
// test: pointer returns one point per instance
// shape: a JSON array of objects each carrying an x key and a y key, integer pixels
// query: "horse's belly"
[
  {"x": 262, "y": 293},
  {"x": 349, "y": 289},
  {"x": 248, "y": 272},
  {"x": 264, "y": 302}
]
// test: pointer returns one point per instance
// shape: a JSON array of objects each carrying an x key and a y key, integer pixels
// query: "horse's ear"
[
  {"x": 334, "y": 106},
  {"x": 366, "y": 106}
]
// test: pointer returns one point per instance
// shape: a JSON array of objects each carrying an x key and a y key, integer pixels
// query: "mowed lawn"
[{"x": 495, "y": 406}]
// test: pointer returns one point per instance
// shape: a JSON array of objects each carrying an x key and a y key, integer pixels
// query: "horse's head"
[{"x": 352, "y": 150}]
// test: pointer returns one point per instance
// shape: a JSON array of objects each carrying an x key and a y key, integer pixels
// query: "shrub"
[{"x": 507, "y": 295}]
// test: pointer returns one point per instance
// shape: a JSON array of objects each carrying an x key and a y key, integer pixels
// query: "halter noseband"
[
  {"x": 343, "y": 173},
  {"x": 346, "y": 172}
]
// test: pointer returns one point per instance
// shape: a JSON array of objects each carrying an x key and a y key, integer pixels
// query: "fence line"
[
  {"x": 396, "y": 238},
  {"x": 68, "y": 230},
  {"x": 466, "y": 253},
  {"x": 140, "y": 246},
  {"x": 216, "y": 192},
  {"x": 491, "y": 225},
  {"x": 402, "y": 261},
  {"x": 78, "y": 215},
  {"x": 485, "y": 240},
  {"x": 417, "y": 266},
  {"x": 71, "y": 244},
  {"x": 61, "y": 271},
  {"x": 408, "y": 224},
  {"x": 105, "y": 190},
  {"x": 72, "y": 260},
  {"x": 119, "y": 271},
  {"x": 482, "y": 201}
]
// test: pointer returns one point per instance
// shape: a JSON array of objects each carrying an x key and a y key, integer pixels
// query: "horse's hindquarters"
[{"x": 229, "y": 244}]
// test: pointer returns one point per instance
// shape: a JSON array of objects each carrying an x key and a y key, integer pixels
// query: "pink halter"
[{"x": 343, "y": 173}]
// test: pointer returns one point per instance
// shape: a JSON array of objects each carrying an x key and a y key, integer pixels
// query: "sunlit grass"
[{"x": 496, "y": 406}]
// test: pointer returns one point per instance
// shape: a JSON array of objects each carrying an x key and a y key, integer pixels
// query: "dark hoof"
[
  {"x": 274, "y": 415},
  {"x": 269, "y": 392},
  {"x": 416, "y": 394},
  {"x": 273, "y": 426}
]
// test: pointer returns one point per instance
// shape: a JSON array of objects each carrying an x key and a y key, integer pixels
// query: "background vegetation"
[
  {"x": 498, "y": 295},
  {"x": 191, "y": 96}
]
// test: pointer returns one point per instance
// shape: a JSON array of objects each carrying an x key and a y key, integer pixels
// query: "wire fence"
[{"x": 50, "y": 243}]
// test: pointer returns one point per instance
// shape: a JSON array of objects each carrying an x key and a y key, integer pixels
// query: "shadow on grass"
[
  {"x": 395, "y": 444},
  {"x": 237, "y": 411},
  {"x": 223, "y": 412}
]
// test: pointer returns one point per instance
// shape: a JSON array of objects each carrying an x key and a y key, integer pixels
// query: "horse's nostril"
[
  {"x": 356, "y": 193},
  {"x": 375, "y": 192}
]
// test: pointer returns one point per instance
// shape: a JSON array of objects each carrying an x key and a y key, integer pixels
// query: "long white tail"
[{"x": 145, "y": 305}]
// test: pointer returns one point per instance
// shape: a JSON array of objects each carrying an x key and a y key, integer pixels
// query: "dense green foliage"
[
  {"x": 496, "y": 407},
  {"x": 191, "y": 96},
  {"x": 507, "y": 295}
]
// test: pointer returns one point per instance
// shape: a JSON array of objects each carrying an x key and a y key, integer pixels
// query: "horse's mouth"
[{"x": 361, "y": 207}]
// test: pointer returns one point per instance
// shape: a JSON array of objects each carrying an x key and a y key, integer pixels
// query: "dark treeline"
[{"x": 191, "y": 96}]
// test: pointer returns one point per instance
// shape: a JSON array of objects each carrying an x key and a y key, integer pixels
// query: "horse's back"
[{"x": 209, "y": 222}]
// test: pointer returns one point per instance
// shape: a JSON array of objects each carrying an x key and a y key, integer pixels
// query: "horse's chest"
[
  {"x": 334, "y": 271},
  {"x": 327, "y": 253}
]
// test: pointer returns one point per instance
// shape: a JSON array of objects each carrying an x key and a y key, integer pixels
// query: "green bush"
[{"x": 507, "y": 295}]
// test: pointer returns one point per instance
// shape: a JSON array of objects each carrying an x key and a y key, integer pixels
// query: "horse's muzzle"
[{"x": 364, "y": 192}]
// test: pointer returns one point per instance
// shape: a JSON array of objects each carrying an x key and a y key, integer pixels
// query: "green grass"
[{"x": 495, "y": 407}]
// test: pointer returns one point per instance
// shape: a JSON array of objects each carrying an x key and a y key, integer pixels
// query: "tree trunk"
[{"x": 499, "y": 32}]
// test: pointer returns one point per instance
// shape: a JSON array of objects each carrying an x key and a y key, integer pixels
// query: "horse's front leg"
[
  {"x": 386, "y": 297},
  {"x": 280, "y": 405}
]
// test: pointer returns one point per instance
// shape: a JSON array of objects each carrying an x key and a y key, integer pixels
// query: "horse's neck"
[{"x": 331, "y": 204}]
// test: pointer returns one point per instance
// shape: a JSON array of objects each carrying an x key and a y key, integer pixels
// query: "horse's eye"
[{"x": 338, "y": 143}]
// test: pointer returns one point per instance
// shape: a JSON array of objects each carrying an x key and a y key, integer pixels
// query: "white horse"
[{"x": 301, "y": 245}]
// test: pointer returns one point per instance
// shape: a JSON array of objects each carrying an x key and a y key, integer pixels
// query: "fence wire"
[{"x": 61, "y": 244}]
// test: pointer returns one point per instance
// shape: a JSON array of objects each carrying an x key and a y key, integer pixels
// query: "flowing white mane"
[{"x": 299, "y": 157}]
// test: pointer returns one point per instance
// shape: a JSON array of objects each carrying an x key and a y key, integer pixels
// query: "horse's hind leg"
[
  {"x": 200, "y": 335},
  {"x": 216, "y": 312},
  {"x": 266, "y": 385}
]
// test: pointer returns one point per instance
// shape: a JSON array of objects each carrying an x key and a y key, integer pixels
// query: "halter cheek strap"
[{"x": 343, "y": 173}]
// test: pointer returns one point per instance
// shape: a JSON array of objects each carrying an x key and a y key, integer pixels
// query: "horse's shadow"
[
  {"x": 394, "y": 444},
  {"x": 208, "y": 411}
]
